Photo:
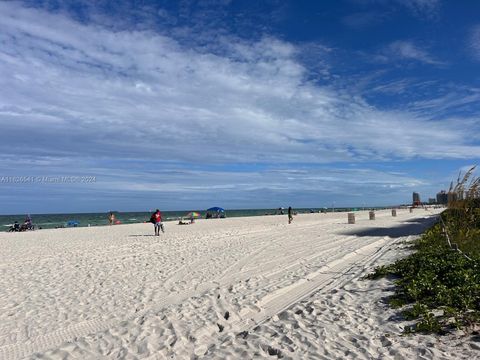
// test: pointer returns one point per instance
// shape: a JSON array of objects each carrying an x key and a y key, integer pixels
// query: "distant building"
[
  {"x": 431, "y": 200},
  {"x": 452, "y": 197},
  {"x": 416, "y": 199},
  {"x": 442, "y": 197}
]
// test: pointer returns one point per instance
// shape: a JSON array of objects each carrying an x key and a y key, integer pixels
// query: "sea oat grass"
[{"x": 438, "y": 286}]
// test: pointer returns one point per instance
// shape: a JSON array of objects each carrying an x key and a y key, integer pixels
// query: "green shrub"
[{"x": 435, "y": 278}]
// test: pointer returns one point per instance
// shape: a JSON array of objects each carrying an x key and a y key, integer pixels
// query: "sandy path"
[{"x": 119, "y": 292}]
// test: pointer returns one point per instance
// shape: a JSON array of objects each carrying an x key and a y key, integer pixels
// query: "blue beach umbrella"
[
  {"x": 73, "y": 223},
  {"x": 215, "y": 212},
  {"x": 216, "y": 209}
]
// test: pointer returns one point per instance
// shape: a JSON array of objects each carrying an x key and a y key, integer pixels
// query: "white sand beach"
[{"x": 252, "y": 287}]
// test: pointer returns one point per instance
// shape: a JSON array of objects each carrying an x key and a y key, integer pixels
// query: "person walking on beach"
[
  {"x": 290, "y": 214},
  {"x": 111, "y": 218},
  {"x": 156, "y": 219}
]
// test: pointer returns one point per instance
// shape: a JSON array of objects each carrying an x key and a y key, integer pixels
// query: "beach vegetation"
[{"x": 438, "y": 286}]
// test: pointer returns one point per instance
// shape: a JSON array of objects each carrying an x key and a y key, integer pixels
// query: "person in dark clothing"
[
  {"x": 156, "y": 219},
  {"x": 290, "y": 214},
  {"x": 15, "y": 227},
  {"x": 28, "y": 224}
]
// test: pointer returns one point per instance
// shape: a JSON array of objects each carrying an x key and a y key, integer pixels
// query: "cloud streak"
[
  {"x": 127, "y": 188},
  {"x": 475, "y": 41},
  {"x": 407, "y": 50},
  {"x": 428, "y": 9},
  {"x": 78, "y": 90},
  {"x": 424, "y": 8}
]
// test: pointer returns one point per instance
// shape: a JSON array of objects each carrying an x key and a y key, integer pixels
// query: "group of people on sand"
[
  {"x": 156, "y": 220},
  {"x": 27, "y": 225},
  {"x": 289, "y": 212}
]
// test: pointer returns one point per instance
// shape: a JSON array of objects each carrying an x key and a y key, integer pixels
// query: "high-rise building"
[
  {"x": 452, "y": 197},
  {"x": 416, "y": 198},
  {"x": 442, "y": 197}
]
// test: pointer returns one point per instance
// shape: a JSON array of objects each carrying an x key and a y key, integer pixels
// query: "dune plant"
[
  {"x": 462, "y": 219},
  {"x": 438, "y": 286}
]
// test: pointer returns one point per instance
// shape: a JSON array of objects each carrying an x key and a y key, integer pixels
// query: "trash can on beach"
[
  {"x": 411, "y": 209},
  {"x": 394, "y": 212},
  {"x": 371, "y": 215},
  {"x": 351, "y": 218}
]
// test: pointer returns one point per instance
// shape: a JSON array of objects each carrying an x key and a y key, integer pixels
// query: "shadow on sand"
[
  {"x": 139, "y": 235},
  {"x": 411, "y": 227}
]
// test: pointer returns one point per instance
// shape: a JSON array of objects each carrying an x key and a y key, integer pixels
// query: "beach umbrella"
[
  {"x": 193, "y": 215},
  {"x": 73, "y": 223},
  {"x": 216, "y": 209}
]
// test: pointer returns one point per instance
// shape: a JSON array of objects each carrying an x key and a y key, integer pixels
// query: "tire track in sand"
[{"x": 326, "y": 278}]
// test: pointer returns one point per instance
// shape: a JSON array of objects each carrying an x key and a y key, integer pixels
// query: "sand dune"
[{"x": 224, "y": 288}]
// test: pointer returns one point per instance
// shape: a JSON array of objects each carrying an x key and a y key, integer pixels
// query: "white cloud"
[
  {"x": 428, "y": 8},
  {"x": 475, "y": 41},
  {"x": 74, "y": 90},
  {"x": 132, "y": 187},
  {"x": 450, "y": 102},
  {"x": 407, "y": 50},
  {"x": 421, "y": 8},
  {"x": 364, "y": 19}
]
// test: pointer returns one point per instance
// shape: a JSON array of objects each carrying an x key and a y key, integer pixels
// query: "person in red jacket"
[{"x": 156, "y": 219}]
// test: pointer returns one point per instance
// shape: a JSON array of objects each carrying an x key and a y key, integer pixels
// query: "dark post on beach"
[{"x": 351, "y": 218}]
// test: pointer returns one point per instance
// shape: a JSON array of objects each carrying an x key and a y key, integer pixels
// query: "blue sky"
[{"x": 240, "y": 104}]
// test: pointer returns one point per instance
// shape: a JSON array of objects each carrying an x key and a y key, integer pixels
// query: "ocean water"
[{"x": 51, "y": 221}]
